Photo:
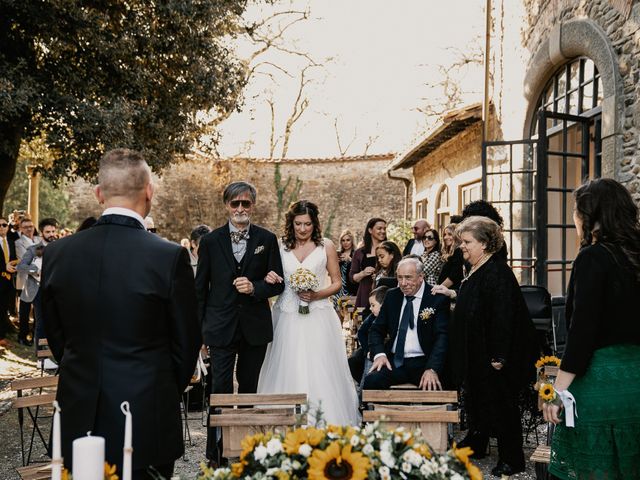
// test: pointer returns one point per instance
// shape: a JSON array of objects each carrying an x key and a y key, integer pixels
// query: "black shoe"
[
  {"x": 503, "y": 468},
  {"x": 477, "y": 442}
]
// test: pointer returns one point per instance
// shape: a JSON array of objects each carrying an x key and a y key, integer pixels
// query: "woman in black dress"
[
  {"x": 363, "y": 263},
  {"x": 496, "y": 344},
  {"x": 452, "y": 270}
]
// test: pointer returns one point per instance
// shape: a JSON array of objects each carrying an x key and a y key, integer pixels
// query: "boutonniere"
[
  {"x": 427, "y": 313},
  {"x": 258, "y": 249}
]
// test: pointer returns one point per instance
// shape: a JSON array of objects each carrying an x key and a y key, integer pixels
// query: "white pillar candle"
[
  {"x": 56, "y": 455},
  {"x": 88, "y": 458},
  {"x": 127, "y": 450}
]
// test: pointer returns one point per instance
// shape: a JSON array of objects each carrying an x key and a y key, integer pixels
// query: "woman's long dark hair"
[
  {"x": 393, "y": 249},
  {"x": 609, "y": 216},
  {"x": 367, "y": 235},
  {"x": 301, "y": 207}
]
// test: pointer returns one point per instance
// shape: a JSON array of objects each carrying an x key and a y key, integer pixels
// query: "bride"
[{"x": 308, "y": 354}]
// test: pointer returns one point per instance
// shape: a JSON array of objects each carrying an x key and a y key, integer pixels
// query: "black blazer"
[
  {"x": 120, "y": 310},
  {"x": 408, "y": 247},
  {"x": 432, "y": 333},
  {"x": 221, "y": 308},
  {"x": 6, "y": 283}
]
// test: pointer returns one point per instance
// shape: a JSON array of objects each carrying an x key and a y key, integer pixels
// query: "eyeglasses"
[
  {"x": 4, "y": 225},
  {"x": 237, "y": 203},
  {"x": 429, "y": 237}
]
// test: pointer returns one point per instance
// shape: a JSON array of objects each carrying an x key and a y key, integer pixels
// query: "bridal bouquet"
[
  {"x": 300, "y": 281},
  {"x": 345, "y": 453}
]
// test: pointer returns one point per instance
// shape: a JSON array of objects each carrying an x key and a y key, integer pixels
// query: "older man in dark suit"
[
  {"x": 415, "y": 322},
  {"x": 120, "y": 310},
  {"x": 233, "y": 296}
]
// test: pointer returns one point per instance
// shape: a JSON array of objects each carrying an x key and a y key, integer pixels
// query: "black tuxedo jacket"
[
  {"x": 221, "y": 309},
  {"x": 408, "y": 247},
  {"x": 432, "y": 333},
  {"x": 120, "y": 316}
]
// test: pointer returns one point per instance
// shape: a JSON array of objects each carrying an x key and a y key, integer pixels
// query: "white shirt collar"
[
  {"x": 233, "y": 228},
  {"x": 124, "y": 211}
]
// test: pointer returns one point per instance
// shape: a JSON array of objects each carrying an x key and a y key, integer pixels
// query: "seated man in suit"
[{"x": 416, "y": 324}]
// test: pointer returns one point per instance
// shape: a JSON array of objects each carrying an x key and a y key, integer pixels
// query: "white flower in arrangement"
[
  {"x": 368, "y": 429},
  {"x": 406, "y": 467},
  {"x": 271, "y": 471},
  {"x": 296, "y": 465},
  {"x": 406, "y": 436},
  {"x": 385, "y": 473},
  {"x": 355, "y": 440},
  {"x": 370, "y": 439},
  {"x": 274, "y": 446},
  {"x": 286, "y": 465},
  {"x": 221, "y": 473},
  {"x": 260, "y": 453},
  {"x": 303, "y": 280},
  {"x": 385, "y": 446},
  {"x": 387, "y": 458},
  {"x": 457, "y": 476},
  {"x": 368, "y": 449},
  {"x": 397, "y": 439},
  {"x": 413, "y": 457},
  {"x": 305, "y": 450}
]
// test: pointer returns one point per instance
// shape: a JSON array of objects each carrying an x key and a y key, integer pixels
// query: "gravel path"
[{"x": 18, "y": 362}]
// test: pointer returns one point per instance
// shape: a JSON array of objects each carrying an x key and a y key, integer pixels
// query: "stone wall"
[{"x": 621, "y": 116}]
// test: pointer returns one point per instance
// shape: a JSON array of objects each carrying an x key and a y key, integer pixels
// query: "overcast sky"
[{"x": 383, "y": 54}]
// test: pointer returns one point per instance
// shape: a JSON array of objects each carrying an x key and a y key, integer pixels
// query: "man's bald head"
[{"x": 123, "y": 173}]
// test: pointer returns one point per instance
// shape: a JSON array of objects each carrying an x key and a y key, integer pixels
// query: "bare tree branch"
[
  {"x": 343, "y": 151},
  {"x": 299, "y": 106},
  {"x": 370, "y": 141}
]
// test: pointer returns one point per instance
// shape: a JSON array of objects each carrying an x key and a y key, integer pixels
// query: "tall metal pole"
[{"x": 487, "y": 50}]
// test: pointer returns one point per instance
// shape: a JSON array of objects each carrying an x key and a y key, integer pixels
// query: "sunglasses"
[
  {"x": 429, "y": 237},
  {"x": 237, "y": 203},
  {"x": 4, "y": 225}
]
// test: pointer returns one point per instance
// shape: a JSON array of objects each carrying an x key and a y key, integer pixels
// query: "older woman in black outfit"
[
  {"x": 495, "y": 344},
  {"x": 601, "y": 363}
]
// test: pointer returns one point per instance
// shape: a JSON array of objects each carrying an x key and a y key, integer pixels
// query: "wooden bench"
[
  {"x": 43, "y": 353},
  {"x": 261, "y": 413},
  {"x": 431, "y": 411},
  {"x": 33, "y": 394},
  {"x": 541, "y": 458},
  {"x": 35, "y": 472}
]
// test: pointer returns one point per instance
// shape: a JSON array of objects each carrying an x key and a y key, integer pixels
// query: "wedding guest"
[
  {"x": 27, "y": 239},
  {"x": 408, "y": 339},
  {"x": 194, "y": 241},
  {"x": 415, "y": 246},
  {"x": 359, "y": 361},
  {"x": 431, "y": 257},
  {"x": 7, "y": 269},
  {"x": 364, "y": 259},
  {"x": 453, "y": 267},
  {"x": 495, "y": 345},
  {"x": 389, "y": 256},
  {"x": 601, "y": 362},
  {"x": 483, "y": 208},
  {"x": 345, "y": 255},
  {"x": 120, "y": 309}
]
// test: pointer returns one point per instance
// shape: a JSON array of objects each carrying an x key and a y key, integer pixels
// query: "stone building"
[{"x": 579, "y": 115}]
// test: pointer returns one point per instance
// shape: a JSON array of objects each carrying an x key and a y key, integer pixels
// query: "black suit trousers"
[
  {"x": 223, "y": 361},
  {"x": 410, "y": 372}
]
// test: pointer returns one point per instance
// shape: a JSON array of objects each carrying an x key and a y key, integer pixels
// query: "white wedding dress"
[{"x": 308, "y": 353}]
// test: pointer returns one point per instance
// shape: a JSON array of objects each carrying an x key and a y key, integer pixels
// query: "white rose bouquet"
[{"x": 302, "y": 280}]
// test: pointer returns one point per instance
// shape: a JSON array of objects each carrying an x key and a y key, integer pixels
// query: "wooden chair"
[
  {"x": 277, "y": 413},
  {"x": 431, "y": 411},
  {"x": 541, "y": 458},
  {"x": 33, "y": 396},
  {"x": 43, "y": 353},
  {"x": 35, "y": 472}
]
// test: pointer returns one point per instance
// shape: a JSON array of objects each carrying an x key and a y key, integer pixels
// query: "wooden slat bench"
[
  {"x": 262, "y": 413},
  {"x": 35, "y": 472},
  {"x": 541, "y": 457},
  {"x": 33, "y": 395},
  {"x": 431, "y": 411}
]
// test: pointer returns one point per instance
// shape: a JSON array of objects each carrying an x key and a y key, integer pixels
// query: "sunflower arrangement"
[
  {"x": 547, "y": 393},
  {"x": 345, "y": 453},
  {"x": 109, "y": 473},
  {"x": 548, "y": 361},
  {"x": 300, "y": 281}
]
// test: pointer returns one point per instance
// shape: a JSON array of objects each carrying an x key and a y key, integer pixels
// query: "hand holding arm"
[{"x": 551, "y": 411}]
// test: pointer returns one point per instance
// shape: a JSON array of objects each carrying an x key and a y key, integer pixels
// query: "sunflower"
[
  {"x": 238, "y": 468},
  {"x": 249, "y": 442},
  {"x": 295, "y": 438},
  {"x": 110, "y": 472},
  {"x": 463, "y": 454},
  {"x": 547, "y": 392},
  {"x": 423, "y": 450},
  {"x": 334, "y": 464}
]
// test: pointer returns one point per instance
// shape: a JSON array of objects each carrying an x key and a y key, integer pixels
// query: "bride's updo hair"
[{"x": 301, "y": 207}]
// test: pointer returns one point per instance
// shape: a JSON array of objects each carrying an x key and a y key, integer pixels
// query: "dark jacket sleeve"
[
  {"x": 407, "y": 247},
  {"x": 262, "y": 289},
  {"x": 203, "y": 276},
  {"x": 379, "y": 329},
  {"x": 438, "y": 353},
  {"x": 53, "y": 324},
  {"x": 363, "y": 332},
  {"x": 186, "y": 337},
  {"x": 356, "y": 264},
  {"x": 589, "y": 283}
]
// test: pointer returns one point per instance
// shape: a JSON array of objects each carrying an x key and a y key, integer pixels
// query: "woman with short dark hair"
[
  {"x": 494, "y": 344},
  {"x": 601, "y": 362}
]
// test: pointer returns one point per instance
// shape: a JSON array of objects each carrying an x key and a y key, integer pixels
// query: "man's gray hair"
[
  {"x": 414, "y": 260},
  {"x": 235, "y": 189},
  {"x": 123, "y": 173}
]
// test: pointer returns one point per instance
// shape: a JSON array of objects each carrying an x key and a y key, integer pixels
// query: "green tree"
[
  {"x": 90, "y": 76},
  {"x": 399, "y": 231}
]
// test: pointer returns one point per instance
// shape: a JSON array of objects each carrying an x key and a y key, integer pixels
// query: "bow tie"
[{"x": 239, "y": 235}]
